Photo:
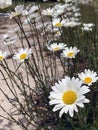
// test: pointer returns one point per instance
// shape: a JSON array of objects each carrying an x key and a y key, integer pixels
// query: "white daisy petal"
[
  {"x": 71, "y": 112},
  {"x": 54, "y": 102},
  {"x": 86, "y": 100},
  {"x": 75, "y": 108},
  {"x": 61, "y": 112},
  {"x": 67, "y": 108},
  {"x": 67, "y": 94},
  {"x": 57, "y": 107},
  {"x": 84, "y": 90},
  {"x": 80, "y": 104}
]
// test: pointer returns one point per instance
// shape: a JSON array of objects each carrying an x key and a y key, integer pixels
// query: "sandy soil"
[{"x": 5, "y": 26}]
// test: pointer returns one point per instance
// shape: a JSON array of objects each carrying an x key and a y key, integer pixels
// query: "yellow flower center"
[
  {"x": 69, "y": 97},
  {"x": 70, "y": 54},
  {"x": 58, "y": 24},
  {"x": 88, "y": 80},
  {"x": 1, "y": 57},
  {"x": 56, "y": 49},
  {"x": 23, "y": 56}
]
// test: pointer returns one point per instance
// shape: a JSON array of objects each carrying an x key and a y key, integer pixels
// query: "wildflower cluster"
[
  {"x": 54, "y": 67},
  {"x": 5, "y": 4}
]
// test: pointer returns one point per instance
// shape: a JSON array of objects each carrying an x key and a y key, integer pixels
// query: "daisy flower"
[
  {"x": 18, "y": 11},
  {"x": 3, "y": 55},
  {"x": 70, "y": 52},
  {"x": 88, "y": 77},
  {"x": 68, "y": 95},
  {"x": 23, "y": 54},
  {"x": 58, "y": 23},
  {"x": 56, "y": 47},
  {"x": 49, "y": 11}
]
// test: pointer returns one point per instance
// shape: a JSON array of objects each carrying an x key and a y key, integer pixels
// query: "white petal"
[
  {"x": 84, "y": 90},
  {"x": 62, "y": 111},
  {"x": 55, "y": 89},
  {"x": 56, "y": 95},
  {"x": 57, "y": 107},
  {"x": 75, "y": 108},
  {"x": 86, "y": 100},
  {"x": 71, "y": 112},
  {"x": 55, "y": 102},
  {"x": 67, "y": 108},
  {"x": 80, "y": 99},
  {"x": 80, "y": 104}
]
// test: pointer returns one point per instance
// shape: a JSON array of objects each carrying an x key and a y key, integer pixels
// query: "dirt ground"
[{"x": 5, "y": 26}]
